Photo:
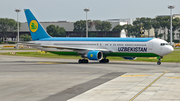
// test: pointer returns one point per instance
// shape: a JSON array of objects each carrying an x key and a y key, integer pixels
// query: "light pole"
[
  {"x": 17, "y": 10},
  {"x": 171, "y": 7},
  {"x": 86, "y": 10}
]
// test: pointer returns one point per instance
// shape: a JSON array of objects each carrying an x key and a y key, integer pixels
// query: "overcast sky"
[{"x": 72, "y": 10}]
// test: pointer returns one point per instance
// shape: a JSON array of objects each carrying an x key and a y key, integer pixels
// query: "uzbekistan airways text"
[{"x": 132, "y": 49}]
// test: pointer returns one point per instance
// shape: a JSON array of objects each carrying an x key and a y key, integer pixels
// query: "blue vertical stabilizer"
[{"x": 36, "y": 29}]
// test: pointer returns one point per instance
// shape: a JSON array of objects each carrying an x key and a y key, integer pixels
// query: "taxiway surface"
[{"x": 46, "y": 79}]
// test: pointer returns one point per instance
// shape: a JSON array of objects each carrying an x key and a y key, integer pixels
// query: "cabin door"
[{"x": 150, "y": 46}]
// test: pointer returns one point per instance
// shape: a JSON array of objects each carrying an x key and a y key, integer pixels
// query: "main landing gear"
[
  {"x": 159, "y": 61},
  {"x": 83, "y": 61},
  {"x": 104, "y": 61}
]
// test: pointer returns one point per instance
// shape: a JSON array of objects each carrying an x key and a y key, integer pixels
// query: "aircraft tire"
[
  {"x": 83, "y": 61},
  {"x": 158, "y": 63},
  {"x": 104, "y": 61},
  {"x": 101, "y": 61},
  {"x": 86, "y": 61},
  {"x": 107, "y": 60},
  {"x": 80, "y": 61}
]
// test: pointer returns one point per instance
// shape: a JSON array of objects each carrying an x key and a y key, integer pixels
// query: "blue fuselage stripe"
[{"x": 98, "y": 39}]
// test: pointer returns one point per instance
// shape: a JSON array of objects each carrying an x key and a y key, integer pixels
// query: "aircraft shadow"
[{"x": 110, "y": 63}]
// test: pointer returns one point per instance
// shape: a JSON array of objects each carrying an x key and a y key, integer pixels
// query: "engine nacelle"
[
  {"x": 94, "y": 55},
  {"x": 130, "y": 58}
]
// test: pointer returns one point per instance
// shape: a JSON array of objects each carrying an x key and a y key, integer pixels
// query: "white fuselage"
[{"x": 156, "y": 46}]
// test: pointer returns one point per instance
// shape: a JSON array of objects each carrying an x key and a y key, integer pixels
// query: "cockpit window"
[{"x": 163, "y": 44}]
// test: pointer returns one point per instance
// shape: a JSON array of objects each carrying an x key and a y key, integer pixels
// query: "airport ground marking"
[
  {"x": 135, "y": 75},
  {"x": 148, "y": 86},
  {"x": 174, "y": 77},
  {"x": 51, "y": 63}
]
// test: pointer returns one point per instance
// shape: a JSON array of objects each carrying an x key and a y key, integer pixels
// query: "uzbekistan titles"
[{"x": 132, "y": 49}]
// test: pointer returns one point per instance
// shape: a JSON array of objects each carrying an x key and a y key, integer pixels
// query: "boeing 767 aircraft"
[{"x": 95, "y": 48}]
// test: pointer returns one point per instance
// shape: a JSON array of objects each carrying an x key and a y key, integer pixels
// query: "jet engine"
[
  {"x": 94, "y": 55},
  {"x": 130, "y": 58}
]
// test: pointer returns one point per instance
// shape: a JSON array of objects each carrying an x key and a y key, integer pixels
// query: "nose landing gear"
[{"x": 159, "y": 60}]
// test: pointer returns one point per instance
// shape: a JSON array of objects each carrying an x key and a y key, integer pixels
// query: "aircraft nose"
[
  {"x": 166, "y": 50},
  {"x": 170, "y": 49}
]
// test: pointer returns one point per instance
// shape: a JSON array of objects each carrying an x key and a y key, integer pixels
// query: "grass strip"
[{"x": 172, "y": 57}]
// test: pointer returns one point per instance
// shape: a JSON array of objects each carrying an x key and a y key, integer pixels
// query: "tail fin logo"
[{"x": 33, "y": 26}]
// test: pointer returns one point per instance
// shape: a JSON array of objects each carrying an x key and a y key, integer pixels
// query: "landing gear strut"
[
  {"x": 83, "y": 61},
  {"x": 104, "y": 60},
  {"x": 159, "y": 61}
]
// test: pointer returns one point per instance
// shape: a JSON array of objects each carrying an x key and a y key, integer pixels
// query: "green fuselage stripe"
[
  {"x": 113, "y": 54},
  {"x": 132, "y": 54}
]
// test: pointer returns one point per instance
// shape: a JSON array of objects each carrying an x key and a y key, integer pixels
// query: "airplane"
[{"x": 98, "y": 48}]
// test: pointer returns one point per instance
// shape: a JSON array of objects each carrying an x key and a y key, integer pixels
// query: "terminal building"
[
  {"x": 69, "y": 26},
  {"x": 126, "y": 20}
]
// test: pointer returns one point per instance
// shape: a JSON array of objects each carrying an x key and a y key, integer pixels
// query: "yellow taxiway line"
[{"x": 147, "y": 86}]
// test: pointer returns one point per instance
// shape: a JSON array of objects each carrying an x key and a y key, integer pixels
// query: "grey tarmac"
[{"x": 48, "y": 79}]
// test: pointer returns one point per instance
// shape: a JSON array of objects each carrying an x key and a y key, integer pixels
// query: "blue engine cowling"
[
  {"x": 130, "y": 58},
  {"x": 94, "y": 55}
]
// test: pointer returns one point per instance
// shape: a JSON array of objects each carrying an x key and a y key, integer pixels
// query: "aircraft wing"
[{"x": 74, "y": 48}]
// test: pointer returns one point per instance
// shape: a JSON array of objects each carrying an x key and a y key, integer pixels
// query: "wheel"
[
  {"x": 101, "y": 61},
  {"x": 104, "y": 61},
  {"x": 107, "y": 60},
  {"x": 80, "y": 61},
  {"x": 83, "y": 61},
  {"x": 159, "y": 63}
]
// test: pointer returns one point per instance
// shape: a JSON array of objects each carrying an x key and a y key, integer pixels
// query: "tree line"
[
  {"x": 80, "y": 26},
  {"x": 161, "y": 25},
  {"x": 7, "y": 28}
]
